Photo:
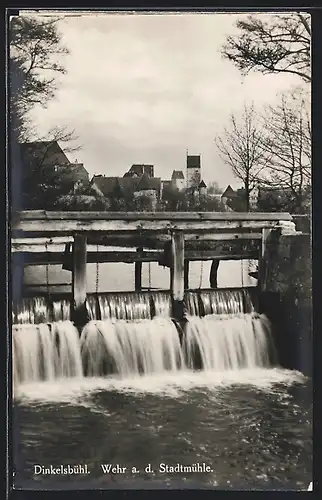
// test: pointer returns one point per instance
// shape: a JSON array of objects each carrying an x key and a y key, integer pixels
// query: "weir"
[{"x": 141, "y": 332}]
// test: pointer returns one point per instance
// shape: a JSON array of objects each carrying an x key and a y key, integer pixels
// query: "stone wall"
[{"x": 287, "y": 299}]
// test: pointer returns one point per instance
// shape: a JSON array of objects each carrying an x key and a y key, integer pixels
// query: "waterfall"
[
  {"x": 203, "y": 302},
  {"x": 227, "y": 342},
  {"x": 161, "y": 303},
  {"x": 127, "y": 306},
  {"x": 61, "y": 310},
  {"x": 133, "y": 334},
  {"x": 125, "y": 348},
  {"x": 45, "y": 351},
  {"x": 38, "y": 310}
]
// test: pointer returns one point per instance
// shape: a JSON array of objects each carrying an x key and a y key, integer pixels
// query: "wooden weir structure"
[{"x": 170, "y": 238}]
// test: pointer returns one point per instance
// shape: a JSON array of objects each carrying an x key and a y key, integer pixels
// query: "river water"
[
  {"x": 241, "y": 418},
  {"x": 252, "y": 428}
]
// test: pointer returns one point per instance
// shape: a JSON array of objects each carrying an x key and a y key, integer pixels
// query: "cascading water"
[
  {"x": 37, "y": 310},
  {"x": 227, "y": 342},
  {"x": 161, "y": 304},
  {"x": 132, "y": 334},
  {"x": 125, "y": 348},
  {"x": 61, "y": 310},
  {"x": 218, "y": 302},
  {"x": 129, "y": 306},
  {"x": 45, "y": 352}
]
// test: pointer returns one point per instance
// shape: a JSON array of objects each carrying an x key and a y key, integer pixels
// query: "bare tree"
[
  {"x": 214, "y": 188},
  {"x": 287, "y": 143},
  {"x": 241, "y": 147},
  {"x": 278, "y": 44}
]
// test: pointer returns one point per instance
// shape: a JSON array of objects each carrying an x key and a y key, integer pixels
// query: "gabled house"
[
  {"x": 47, "y": 161},
  {"x": 47, "y": 174}
]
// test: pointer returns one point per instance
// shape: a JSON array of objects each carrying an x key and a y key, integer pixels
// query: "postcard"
[{"x": 160, "y": 192}]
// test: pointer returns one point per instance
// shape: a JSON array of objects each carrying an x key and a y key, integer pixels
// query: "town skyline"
[{"x": 134, "y": 95}]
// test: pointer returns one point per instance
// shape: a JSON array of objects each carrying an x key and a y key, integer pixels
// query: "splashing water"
[
  {"x": 46, "y": 352},
  {"x": 227, "y": 342},
  {"x": 218, "y": 302},
  {"x": 130, "y": 306},
  {"x": 146, "y": 346},
  {"x": 161, "y": 304}
]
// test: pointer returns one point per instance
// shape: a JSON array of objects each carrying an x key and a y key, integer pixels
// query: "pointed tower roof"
[
  {"x": 229, "y": 192},
  {"x": 177, "y": 174}
]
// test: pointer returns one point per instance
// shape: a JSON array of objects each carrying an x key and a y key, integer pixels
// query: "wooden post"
[
  {"x": 138, "y": 273},
  {"x": 79, "y": 270},
  {"x": 213, "y": 273},
  {"x": 177, "y": 274},
  {"x": 262, "y": 261},
  {"x": 186, "y": 274}
]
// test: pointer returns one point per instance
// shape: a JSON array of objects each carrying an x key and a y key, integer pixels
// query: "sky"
[{"x": 147, "y": 88}]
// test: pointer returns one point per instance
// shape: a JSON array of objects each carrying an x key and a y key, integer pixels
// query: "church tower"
[{"x": 193, "y": 171}]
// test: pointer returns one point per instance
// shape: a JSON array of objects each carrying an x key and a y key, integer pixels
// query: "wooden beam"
[
  {"x": 138, "y": 272},
  {"x": 177, "y": 266},
  {"x": 262, "y": 265},
  {"x": 79, "y": 270},
  {"x": 64, "y": 223},
  {"x": 213, "y": 274},
  {"x": 57, "y": 244},
  {"x": 186, "y": 274},
  {"x": 69, "y": 227},
  {"x": 131, "y": 257},
  {"x": 128, "y": 216}
]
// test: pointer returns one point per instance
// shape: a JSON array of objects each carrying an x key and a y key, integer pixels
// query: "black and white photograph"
[{"x": 161, "y": 279}]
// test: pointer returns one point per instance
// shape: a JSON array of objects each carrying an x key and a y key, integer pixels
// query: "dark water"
[{"x": 252, "y": 428}]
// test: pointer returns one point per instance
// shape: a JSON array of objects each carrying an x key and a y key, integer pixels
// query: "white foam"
[{"x": 79, "y": 391}]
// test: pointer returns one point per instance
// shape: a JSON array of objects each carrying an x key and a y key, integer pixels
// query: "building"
[
  {"x": 137, "y": 170},
  {"x": 254, "y": 198},
  {"x": 193, "y": 171},
  {"x": 138, "y": 186},
  {"x": 147, "y": 192},
  {"x": 128, "y": 189},
  {"x": 46, "y": 175},
  {"x": 177, "y": 180},
  {"x": 236, "y": 200},
  {"x": 47, "y": 160},
  {"x": 228, "y": 197},
  {"x": 202, "y": 189}
]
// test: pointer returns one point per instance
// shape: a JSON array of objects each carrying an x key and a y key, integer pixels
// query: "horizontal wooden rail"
[
  {"x": 64, "y": 223},
  {"x": 57, "y": 244},
  {"x": 89, "y": 216},
  {"x": 35, "y": 258}
]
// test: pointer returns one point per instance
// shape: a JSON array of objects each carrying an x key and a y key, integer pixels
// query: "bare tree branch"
[
  {"x": 241, "y": 148},
  {"x": 287, "y": 142}
]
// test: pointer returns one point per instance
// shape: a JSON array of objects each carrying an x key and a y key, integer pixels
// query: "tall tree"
[
  {"x": 35, "y": 65},
  {"x": 241, "y": 147},
  {"x": 272, "y": 44},
  {"x": 287, "y": 144},
  {"x": 36, "y": 51}
]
